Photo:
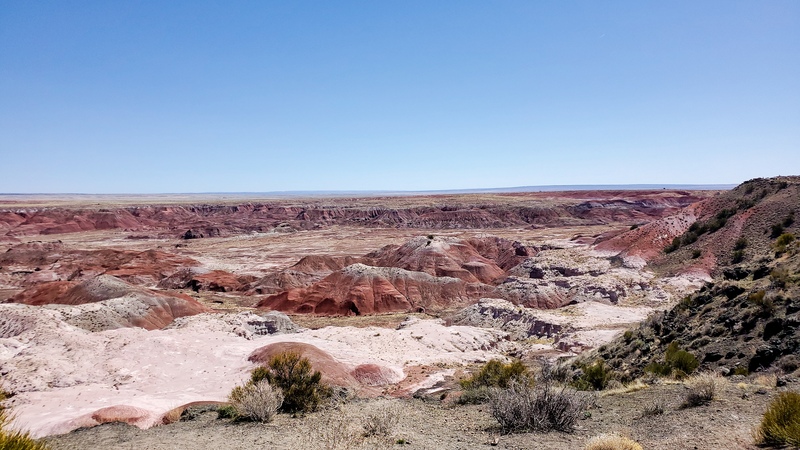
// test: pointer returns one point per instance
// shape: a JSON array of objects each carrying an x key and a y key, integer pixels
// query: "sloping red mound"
[
  {"x": 124, "y": 305},
  {"x": 373, "y": 375},
  {"x": 333, "y": 372},
  {"x": 442, "y": 257},
  {"x": 147, "y": 267},
  {"x": 43, "y": 294},
  {"x": 130, "y": 415},
  {"x": 360, "y": 289}
]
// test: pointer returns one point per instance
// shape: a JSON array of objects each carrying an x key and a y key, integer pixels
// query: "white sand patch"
[{"x": 62, "y": 373}]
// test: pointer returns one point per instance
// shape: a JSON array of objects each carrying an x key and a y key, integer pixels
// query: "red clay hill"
[{"x": 425, "y": 273}]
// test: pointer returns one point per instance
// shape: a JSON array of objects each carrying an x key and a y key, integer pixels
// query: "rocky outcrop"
[
  {"x": 361, "y": 289},
  {"x": 201, "y": 279},
  {"x": 518, "y": 321}
]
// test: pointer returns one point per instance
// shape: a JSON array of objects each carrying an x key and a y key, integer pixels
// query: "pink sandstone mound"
[{"x": 361, "y": 289}]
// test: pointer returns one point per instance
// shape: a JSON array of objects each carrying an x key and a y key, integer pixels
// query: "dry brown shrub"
[
  {"x": 256, "y": 401},
  {"x": 703, "y": 389},
  {"x": 381, "y": 421},
  {"x": 612, "y": 442}
]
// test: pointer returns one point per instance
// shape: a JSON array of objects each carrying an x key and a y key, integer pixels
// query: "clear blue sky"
[{"x": 198, "y": 96}]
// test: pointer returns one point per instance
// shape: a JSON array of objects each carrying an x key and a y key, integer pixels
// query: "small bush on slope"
[
  {"x": 302, "y": 388},
  {"x": 677, "y": 362},
  {"x": 781, "y": 422},
  {"x": 612, "y": 442},
  {"x": 595, "y": 377}
]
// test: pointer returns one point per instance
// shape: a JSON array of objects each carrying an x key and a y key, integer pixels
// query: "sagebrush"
[
  {"x": 256, "y": 401},
  {"x": 523, "y": 407},
  {"x": 302, "y": 387}
]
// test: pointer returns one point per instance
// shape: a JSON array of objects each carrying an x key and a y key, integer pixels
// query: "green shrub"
[
  {"x": 776, "y": 231},
  {"x": 676, "y": 244},
  {"x": 696, "y": 253},
  {"x": 493, "y": 374},
  {"x": 781, "y": 422},
  {"x": 595, "y": 377},
  {"x": 741, "y": 370},
  {"x": 737, "y": 256},
  {"x": 302, "y": 388},
  {"x": 677, "y": 362},
  {"x": 740, "y": 244},
  {"x": 783, "y": 241},
  {"x": 496, "y": 374},
  {"x": 16, "y": 440}
]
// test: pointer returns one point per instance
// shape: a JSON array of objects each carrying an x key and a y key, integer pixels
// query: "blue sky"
[{"x": 198, "y": 96}]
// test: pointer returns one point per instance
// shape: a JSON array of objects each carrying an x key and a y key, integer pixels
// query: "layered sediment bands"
[
  {"x": 441, "y": 257},
  {"x": 442, "y": 212},
  {"x": 35, "y": 262},
  {"x": 105, "y": 302},
  {"x": 361, "y": 289}
]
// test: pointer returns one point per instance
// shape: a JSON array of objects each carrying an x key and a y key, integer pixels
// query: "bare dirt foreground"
[{"x": 724, "y": 424}]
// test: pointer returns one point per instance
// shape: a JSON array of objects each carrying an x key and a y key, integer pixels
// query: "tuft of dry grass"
[
  {"x": 14, "y": 439},
  {"x": 781, "y": 422},
  {"x": 612, "y": 442},
  {"x": 633, "y": 386},
  {"x": 381, "y": 421},
  {"x": 703, "y": 389}
]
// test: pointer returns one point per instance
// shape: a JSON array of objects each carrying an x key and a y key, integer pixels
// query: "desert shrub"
[
  {"x": 634, "y": 226},
  {"x": 16, "y": 440},
  {"x": 523, "y": 407},
  {"x": 781, "y": 422},
  {"x": 782, "y": 242},
  {"x": 696, "y": 253},
  {"x": 702, "y": 389},
  {"x": 677, "y": 362},
  {"x": 302, "y": 387},
  {"x": 654, "y": 408},
  {"x": 612, "y": 442},
  {"x": 381, "y": 421},
  {"x": 741, "y": 370},
  {"x": 779, "y": 277},
  {"x": 256, "y": 401},
  {"x": 789, "y": 220},
  {"x": 595, "y": 377},
  {"x": 737, "y": 256},
  {"x": 789, "y": 363},
  {"x": 776, "y": 230},
  {"x": 740, "y": 244},
  {"x": 493, "y": 374},
  {"x": 676, "y": 244},
  {"x": 554, "y": 372}
]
